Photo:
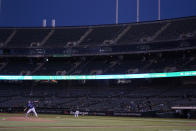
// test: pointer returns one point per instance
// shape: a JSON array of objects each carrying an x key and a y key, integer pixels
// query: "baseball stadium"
[{"x": 136, "y": 76}]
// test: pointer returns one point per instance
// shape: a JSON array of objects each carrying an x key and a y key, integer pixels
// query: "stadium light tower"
[
  {"x": 159, "y": 9},
  {"x": 116, "y": 11},
  {"x": 138, "y": 10},
  {"x": 0, "y": 8},
  {"x": 0, "y": 5}
]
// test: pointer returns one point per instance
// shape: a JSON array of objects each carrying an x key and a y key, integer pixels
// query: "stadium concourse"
[{"x": 132, "y": 48}]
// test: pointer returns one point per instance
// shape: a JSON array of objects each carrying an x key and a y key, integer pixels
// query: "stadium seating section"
[
  {"x": 132, "y": 97},
  {"x": 134, "y": 33},
  {"x": 141, "y": 95},
  {"x": 89, "y": 65}
]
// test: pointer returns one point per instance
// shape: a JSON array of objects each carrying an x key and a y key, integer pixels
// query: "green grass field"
[{"x": 17, "y": 122}]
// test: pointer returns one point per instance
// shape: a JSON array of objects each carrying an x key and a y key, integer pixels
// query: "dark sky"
[{"x": 88, "y": 12}]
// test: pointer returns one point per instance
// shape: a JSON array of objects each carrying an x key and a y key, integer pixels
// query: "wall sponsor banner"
[
  {"x": 97, "y": 113},
  {"x": 93, "y": 113},
  {"x": 127, "y": 114},
  {"x": 80, "y": 113},
  {"x": 49, "y": 111}
]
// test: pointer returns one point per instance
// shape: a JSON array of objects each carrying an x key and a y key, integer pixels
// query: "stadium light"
[
  {"x": 116, "y": 11},
  {"x": 53, "y": 22},
  {"x": 44, "y": 24},
  {"x": 138, "y": 10}
]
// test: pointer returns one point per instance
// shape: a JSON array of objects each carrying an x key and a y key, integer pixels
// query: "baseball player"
[
  {"x": 31, "y": 108},
  {"x": 77, "y": 113}
]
